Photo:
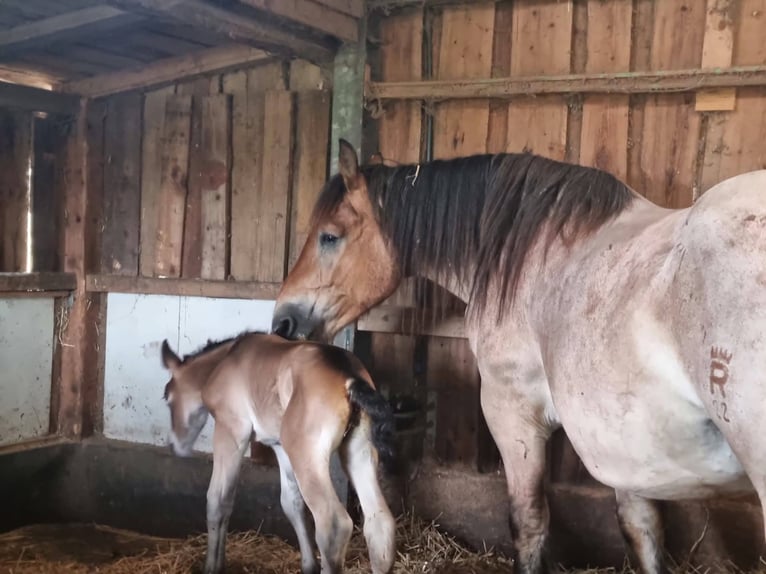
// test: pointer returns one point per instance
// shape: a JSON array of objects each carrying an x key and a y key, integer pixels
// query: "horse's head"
[
  {"x": 183, "y": 394},
  {"x": 346, "y": 266}
]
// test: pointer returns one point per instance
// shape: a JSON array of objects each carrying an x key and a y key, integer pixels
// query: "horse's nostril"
[{"x": 284, "y": 327}]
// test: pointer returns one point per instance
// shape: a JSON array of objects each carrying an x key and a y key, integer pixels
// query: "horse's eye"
[{"x": 327, "y": 239}]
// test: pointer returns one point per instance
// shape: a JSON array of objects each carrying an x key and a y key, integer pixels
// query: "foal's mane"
[
  {"x": 487, "y": 209},
  {"x": 212, "y": 345}
]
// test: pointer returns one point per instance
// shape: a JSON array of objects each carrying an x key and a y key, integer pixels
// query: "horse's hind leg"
[
  {"x": 295, "y": 510},
  {"x": 310, "y": 455},
  {"x": 228, "y": 449},
  {"x": 641, "y": 526},
  {"x": 359, "y": 462}
]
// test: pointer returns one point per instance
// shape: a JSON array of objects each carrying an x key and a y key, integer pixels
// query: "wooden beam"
[
  {"x": 36, "y": 282},
  {"x": 235, "y": 26},
  {"x": 411, "y": 321},
  {"x": 311, "y": 14},
  {"x": 353, "y": 8},
  {"x": 612, "y": 83},
  {"x": 69, "y": 25},
  {"x": 185, "y": 287},
  {"x": 37, "y": 100},
  {"x": 388, "y": 5},
  {"x": 168, "y": 71}
]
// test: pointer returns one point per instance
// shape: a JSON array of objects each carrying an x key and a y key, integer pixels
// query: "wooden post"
[{"x": 76, "y": 342}]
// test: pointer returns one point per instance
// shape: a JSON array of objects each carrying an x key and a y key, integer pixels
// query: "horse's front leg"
[
  {"x": 516, "y": 423},
  {"x": 641, "y": 526},
  {"x": 228, "y": 449}
]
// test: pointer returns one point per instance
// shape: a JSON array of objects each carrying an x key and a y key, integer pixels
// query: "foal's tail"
[{"x": 363, "y": 396}]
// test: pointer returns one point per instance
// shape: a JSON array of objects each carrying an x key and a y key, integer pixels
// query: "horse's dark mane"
[
  {"x": 212, "y": 345},
  {"x": 476, "y": 217}
]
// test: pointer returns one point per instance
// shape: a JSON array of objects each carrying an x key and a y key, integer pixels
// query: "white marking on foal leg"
[
  {"x": 379, "y": 525},
  {"x": 641, "y": 526},
  {"x": 228, "y": 450},
  {"x": 295, "y": 510}
]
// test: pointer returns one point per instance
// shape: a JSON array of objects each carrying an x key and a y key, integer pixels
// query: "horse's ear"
[
  {"x": 169, "y": 358},
  {"x": 348, "y": 163}
]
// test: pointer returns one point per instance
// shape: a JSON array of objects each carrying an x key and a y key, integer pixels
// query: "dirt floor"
[{"x": 89, "y": 548}]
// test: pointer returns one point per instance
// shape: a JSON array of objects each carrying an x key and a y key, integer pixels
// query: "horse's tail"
[{"x": 364, "y": 397}]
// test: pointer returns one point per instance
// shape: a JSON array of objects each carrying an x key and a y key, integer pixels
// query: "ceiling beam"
[
  {"x": 37, "y": 100},
  {"x": 312, "y": 14},
  {"x": 234, "y": 26},
  {"x": 66, "y": 26},
  {"x": 167, "y": 71}
]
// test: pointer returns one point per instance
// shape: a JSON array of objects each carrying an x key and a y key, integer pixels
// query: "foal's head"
[
  {"x": 347, "y": 265},
  {"x": 183, "y": 394}
]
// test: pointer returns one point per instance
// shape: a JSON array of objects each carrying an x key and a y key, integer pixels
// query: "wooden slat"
[
  {"x": 15, "y": 157},
  {"x": 542, "y": 38},
  {"x": 172, "y": 199},
  {"x": 238, "y": 27},
  {"x": 353, "y": 8},
  {"x": 69, "y": 25},
  {"x": 460, "y": 128},
  {"x": 44, "y": 200},
  {"x": 734, "y": 141},
  {"x": 717, "y": 52},
  {"x": 313, "y": 15},
  {"x": 191, "y": 265},
  {"x": 151, "y": 174},
  {"x": 96, "y": 160},
  {"x": 184, "y": 287},
  {"x": 36, "y": 99},
  {"x": 671, "y": 128},
  {"x": 215, "y": 195},
  {"x": 122, "y": 188},
  {"x": 166, "y": 71},
  {"x": 310, "y": 163},
  {"x": 410, "y": 321},
  {"x": 273, "y": 205},
  {"x": 645, "y": 82},
  {"x": 604, "y": 139},
  {"x": 497, "y": 135},
  {"x": 39, "y": 281}
]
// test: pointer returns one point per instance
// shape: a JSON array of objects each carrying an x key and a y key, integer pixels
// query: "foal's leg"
[
  {"x": 310, "y": 455},
  {"x": 295, "y": 510},
  {"x": 520, "y": 436},
  {"x": 228, "y": 448},
  {"x": 360, "y": 464},
  {"x": 641, "y": 525}
]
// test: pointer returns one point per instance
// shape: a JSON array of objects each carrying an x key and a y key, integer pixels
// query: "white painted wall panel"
[
  {"x": 134, "y": 377},
  {"x": 26, "y": 360}
]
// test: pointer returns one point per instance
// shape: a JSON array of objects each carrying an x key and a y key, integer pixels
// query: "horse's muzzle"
[{"x": 293, "y": 321}]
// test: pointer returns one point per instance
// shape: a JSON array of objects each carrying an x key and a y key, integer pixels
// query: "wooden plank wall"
[
  {"x": 199, "y": 178},
  {"x": 669, "y": 147},
  {"x": 15, "y": 153}
]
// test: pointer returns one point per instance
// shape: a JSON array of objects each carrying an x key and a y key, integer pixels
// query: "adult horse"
[{"x": 639, "y": 330}]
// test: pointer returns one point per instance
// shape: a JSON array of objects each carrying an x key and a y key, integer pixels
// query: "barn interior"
[{"x": 159, "y": 161}]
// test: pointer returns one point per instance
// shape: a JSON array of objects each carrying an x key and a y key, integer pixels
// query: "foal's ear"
[
  {"x": 348, "y": 163},
  {"x": 169, "y": 358}
]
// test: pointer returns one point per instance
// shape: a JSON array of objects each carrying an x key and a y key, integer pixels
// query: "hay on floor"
[{"x": 92, "y": 549}]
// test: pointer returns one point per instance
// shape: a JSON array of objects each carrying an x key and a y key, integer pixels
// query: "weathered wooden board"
[
  {"x": 497, "y": 136},
  {"x": 734, "y": 142},
  {"x": 717, "y": 51},
  {"x": 310, "y": 163},
  {"x": 15, "y": 156},
  {"x": 671, "y": 127},
  {"x": 151, "y": 174},
  {"x": 542, "y": 38},
  {"x": 205, "y": 229},
  {"x": 96, "y": 122},
  {"x": 604, "y": 139},
  {"x": 273, "y": 204},
  {"x": 460, "y": 128},
  {"x": 248, "y": 108},
  {"x": 173, "y": 186},
  {"x": 45, "y": 256},
  {"x": 122, "y": 185}
]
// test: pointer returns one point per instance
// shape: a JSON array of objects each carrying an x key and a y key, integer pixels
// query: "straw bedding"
[{"x": 81, "y": 549}]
